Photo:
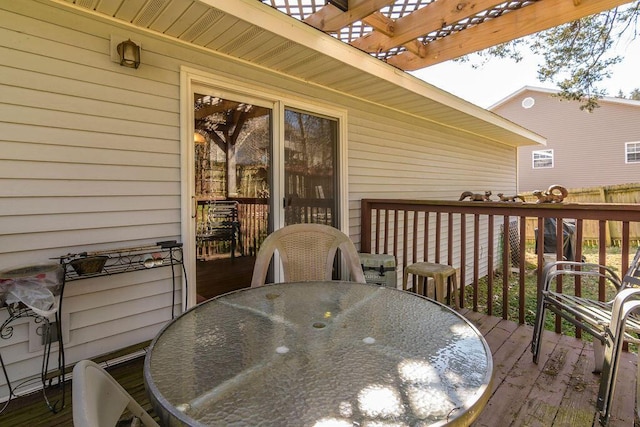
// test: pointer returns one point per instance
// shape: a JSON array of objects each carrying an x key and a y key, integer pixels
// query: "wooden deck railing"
[
  {"x": 480, "y": 238},
  {"x": 253, "y": 215}
]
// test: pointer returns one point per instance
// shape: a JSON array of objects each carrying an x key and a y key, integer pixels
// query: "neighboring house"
[
  {"x": 583, "y": 149},
  {"x": 95, "y": 155}
]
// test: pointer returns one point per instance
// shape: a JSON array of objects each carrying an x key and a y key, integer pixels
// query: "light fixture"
[
  {"x": 343, "y": 5},
  {"x": 129, "y": 53},
  {"x": 198, "y": 138}
]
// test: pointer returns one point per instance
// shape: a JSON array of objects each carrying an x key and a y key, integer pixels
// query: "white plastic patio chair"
[
  {"x": 307, "y": 252},
  {"x": 99, "y": 401}
]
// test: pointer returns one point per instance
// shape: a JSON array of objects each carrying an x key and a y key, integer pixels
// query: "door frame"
[{"x": 190, "y": 78}]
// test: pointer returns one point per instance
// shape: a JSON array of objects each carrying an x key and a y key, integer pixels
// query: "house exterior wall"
[
  {"x": 588, "y": 148},
  {"x": 90, "y": 160},
  {"x": 396, "y": 158}
]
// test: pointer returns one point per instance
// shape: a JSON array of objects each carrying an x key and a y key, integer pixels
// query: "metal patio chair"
[
  {"x": 307, "y": 252},
  {"x": 622, "y": 312},
  {"x": 600, "y": 319},
  {"x": 220, "y": 223}
]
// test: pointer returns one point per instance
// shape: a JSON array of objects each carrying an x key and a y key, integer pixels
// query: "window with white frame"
[
  {"x": 632, "y": 152},
  {"x": 542, "y": 159}
]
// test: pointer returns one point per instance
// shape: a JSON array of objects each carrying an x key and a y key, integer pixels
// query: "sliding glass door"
[
  {"x": 258, "y": 165},
  {"x": 310, "y": 161},
  {"x": 232, "y": 173}
]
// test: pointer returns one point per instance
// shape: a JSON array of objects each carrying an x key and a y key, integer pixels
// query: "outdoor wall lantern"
[{"x": 129, "y": 53}]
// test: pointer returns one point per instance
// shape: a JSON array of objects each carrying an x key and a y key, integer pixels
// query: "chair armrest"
[
  {"x": 573, "y": 268},
  {"x": 621, "y": 298}
]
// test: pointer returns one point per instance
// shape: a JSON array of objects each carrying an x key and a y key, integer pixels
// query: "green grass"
[{"x": 589, "y": 288}]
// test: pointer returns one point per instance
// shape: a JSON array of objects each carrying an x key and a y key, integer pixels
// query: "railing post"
[
  {"x": 506, "y": 264},
  {"x": 365, "y": 226},
  {"x": 463, "y": 258},
  {"x": 490, "y": 265},
  {"x": 521, "y": 269}
]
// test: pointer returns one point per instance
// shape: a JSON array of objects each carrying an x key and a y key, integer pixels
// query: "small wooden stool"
[{"x": 444, "y": 276}]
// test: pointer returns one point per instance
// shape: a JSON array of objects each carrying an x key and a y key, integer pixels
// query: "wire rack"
[{"x": 84, "y": 265}]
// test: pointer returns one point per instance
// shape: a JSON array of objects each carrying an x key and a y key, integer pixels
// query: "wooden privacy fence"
[
  {"x": 613, "y": 194},
  {"x": 477, "y": 237}
]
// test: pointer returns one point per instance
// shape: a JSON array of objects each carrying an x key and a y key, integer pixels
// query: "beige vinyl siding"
[
  {"x": 401, "y": 157},
  {"x": 90, "y": 159},
  {"x": 588, "y": 148},
  {"x": 421, "y": 160}
]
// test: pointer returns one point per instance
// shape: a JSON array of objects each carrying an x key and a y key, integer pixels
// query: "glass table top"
[{"x": 319, "y": 354}]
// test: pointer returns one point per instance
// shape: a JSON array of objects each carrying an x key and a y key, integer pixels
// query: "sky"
[{"x": 499, "y": 78}]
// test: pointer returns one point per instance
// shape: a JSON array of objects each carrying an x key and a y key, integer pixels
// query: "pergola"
[{"x": 413, "y": 34}]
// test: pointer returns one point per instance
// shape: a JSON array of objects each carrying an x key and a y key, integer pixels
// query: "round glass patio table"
[{"x": 319, "y": 354}]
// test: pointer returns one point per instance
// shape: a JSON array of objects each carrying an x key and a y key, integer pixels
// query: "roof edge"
[
  {"x": 264, "y": 16},
  {"x": 611, "y": 99}
]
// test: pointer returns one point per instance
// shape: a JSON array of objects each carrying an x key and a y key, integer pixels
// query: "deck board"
[
  {"x": 558, "y": 391},
  {"x": 578, "y": 402},
  {"x": 622, "y": 412},
  {"x": 545, "y": 397}
]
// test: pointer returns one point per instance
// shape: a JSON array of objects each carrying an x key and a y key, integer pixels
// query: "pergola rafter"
[{"x": 413, "y": 34}]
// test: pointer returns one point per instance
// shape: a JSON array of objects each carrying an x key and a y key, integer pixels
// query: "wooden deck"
[{"x": 559, "y": 391}]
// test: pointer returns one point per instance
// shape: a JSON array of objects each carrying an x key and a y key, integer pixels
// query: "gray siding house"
[
  {"x": 96, "y": 156},
  {"x": 583, "y": 149}
]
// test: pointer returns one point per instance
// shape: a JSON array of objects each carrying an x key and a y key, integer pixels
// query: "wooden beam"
[
  {"x": 343, "y": 5},
  {"x": 423, "y": 21},
  {"x": 384, "y": 25},
  {"x": 330, "y": 18},
  {"x": 380, "y": 23},
  {"x": 222, "y": 106},
  {"x": 225, "y": 107},
  {"x": 531, "y": 19},
  {"x": 416, "y": 48}
]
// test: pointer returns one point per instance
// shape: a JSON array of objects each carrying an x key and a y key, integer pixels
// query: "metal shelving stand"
[
  {"x": 17, "y": 311},
  {"x": 100, "y": 263}
]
